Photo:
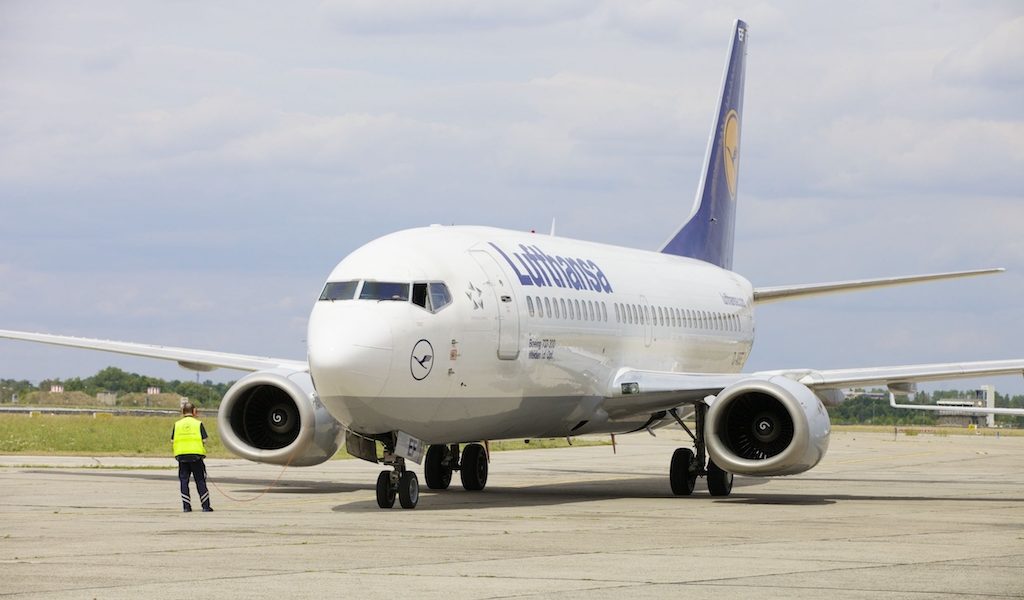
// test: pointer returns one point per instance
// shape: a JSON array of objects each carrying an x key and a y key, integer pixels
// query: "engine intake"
[
  {"x": 276, "y": 417},
  {"x": 772, "y": 426}
]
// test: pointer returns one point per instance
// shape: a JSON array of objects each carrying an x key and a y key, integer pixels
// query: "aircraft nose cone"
[{"x": 349, "y": 349}]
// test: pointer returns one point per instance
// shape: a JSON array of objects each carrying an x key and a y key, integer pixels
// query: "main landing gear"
[
  {"x": 441, "y": 461},
  {"x": 687, "y": 466}
]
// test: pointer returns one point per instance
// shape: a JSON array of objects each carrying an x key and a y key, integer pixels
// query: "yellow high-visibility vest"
[{"x": 188, "y": 437}]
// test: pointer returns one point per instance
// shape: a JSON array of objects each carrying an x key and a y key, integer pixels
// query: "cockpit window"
[
  {"x": 431, "y": 296},
  {"x": 384, "y": 290},
  {"x": 339, "y": 290},
  {"x": 439, "y": 296}
]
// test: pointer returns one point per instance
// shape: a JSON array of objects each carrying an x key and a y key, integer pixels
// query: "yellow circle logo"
[{"x": 731, "y": 150}]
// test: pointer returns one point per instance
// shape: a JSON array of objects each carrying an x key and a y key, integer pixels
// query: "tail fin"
[{"x": 708, "y": 234}]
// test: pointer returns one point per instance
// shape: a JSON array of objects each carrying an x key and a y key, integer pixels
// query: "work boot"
[{"x": 207, "y": 509}]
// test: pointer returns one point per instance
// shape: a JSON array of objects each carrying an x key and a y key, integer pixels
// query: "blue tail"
[{"x": 708, "y": 234}]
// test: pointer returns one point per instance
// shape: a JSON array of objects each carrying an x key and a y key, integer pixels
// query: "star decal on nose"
[{"x": 475, "y": 296}]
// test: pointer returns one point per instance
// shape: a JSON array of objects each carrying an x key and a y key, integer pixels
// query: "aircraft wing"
[
  {"x": 763, "y": 295},
  {"x": 637, "y": 391},
  {"x": 894, "y": 376},
  {"x": 195, "y": 360}
]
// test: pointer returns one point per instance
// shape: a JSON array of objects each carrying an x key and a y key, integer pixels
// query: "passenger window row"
[
  {"x": 677, "y": 318},
  {"x": 631, "y": 314},
  {"x": 572, "y": 309}
]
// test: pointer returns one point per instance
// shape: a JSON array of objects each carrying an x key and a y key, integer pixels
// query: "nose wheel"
[{"x": 397, "y": 483}]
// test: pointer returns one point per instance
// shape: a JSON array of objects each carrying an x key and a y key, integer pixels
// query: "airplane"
[{"x": 427, "y": 342}]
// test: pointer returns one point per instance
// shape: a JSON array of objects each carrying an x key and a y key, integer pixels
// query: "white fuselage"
[{"x": 529, "y": 346}]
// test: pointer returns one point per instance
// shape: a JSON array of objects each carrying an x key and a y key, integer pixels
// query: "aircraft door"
[{"x": 507, "y": 307}]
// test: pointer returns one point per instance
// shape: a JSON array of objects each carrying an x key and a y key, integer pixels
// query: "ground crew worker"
[{"x": 187, "y": 437}]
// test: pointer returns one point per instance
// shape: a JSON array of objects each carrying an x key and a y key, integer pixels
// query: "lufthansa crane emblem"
[
  {"x": 731, "y": 147},
  {"x": 422, "y": 360}
]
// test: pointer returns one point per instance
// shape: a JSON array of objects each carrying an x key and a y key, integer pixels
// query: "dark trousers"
[{"x": 196, "y": 469}]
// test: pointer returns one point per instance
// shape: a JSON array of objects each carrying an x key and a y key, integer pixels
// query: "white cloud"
[
  {"x": 443, "y": 16},
  {"x": 995, "y": 60},
  {"x": 190, "y": 172}
]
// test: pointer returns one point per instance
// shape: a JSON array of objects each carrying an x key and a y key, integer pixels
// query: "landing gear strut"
[
  {"x": 686, "y": 466},
  {"x": 397, "y": 482}
]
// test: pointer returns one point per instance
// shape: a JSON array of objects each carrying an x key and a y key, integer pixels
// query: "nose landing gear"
[{"x": 398, "y": 482}]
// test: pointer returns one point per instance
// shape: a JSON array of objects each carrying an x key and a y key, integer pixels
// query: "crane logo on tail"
[{"x": 731, "y": 150}]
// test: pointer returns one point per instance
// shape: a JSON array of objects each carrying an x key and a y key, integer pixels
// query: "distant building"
[
  {"x": 983, "y": 398},
  {"x": 152, "y": 391},
  {"x": 56, "y": 389}
]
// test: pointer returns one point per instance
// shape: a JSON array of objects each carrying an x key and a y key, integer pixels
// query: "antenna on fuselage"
[{"x": 553, "y": 219}]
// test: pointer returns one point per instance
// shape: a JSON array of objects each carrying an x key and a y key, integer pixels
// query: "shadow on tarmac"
[{"x": 496, "y": 496}]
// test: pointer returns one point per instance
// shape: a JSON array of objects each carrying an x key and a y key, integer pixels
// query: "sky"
[{"x": 187, "y": 173}]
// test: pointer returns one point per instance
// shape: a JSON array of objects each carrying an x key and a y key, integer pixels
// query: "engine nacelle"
[
  {"x": 773, "y": 426},
  {"x": 276, "y": 417}
]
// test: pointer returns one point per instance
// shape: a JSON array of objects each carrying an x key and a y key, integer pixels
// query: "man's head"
[{"x": 188, "y": 409}]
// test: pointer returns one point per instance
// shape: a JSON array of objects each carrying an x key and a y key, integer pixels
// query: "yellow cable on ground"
[{"x": 257, "y": 496}]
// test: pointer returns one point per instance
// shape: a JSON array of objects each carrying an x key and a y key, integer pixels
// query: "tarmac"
[{"x": 924, "y": 516}]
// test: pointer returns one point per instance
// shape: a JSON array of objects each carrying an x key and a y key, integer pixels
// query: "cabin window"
[
  {"x": 635, "y": 313},
  {"x": 547, "y": 306},
  {"x": 384, "y": 290},
  {"x": 529, "y": 304},
  {"x": 558, "y": 315},
  {"x": 572, "y": 311},
  {"x": 540, "y": 307},
  {"x": 646, "y": 318},
  {"x": 615, "y": 306},
  {"x": 672, "y": 316},
  {"x": 661, "y": 317},
  {"x": 339, "y": 290},
  {"x": 604, "y": 312},
  {"x": 565, "y": 313}
]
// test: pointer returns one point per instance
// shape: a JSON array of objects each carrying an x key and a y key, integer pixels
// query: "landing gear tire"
[
  {"x": 682, "y": 473},
  {"x": 474, "y": 468},
  {"x": 438, "y": 474},
  {"x": 408, "y": 490},
  {"x": 385, "y": 491},
  {"x": 719, "y": 481}
]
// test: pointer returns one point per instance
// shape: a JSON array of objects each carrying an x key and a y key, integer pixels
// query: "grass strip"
[{"x": 108, "y": 435}]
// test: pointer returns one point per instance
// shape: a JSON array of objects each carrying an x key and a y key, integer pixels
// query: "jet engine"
[
  {"x": 276, "y": 417},
  {"x": 773, "y": 426}
]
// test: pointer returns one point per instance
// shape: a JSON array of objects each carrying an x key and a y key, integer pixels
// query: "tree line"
[
  {"x": 870, "y": 410},
  {"x": 116, "y": 381},
  {"x": 857, "y": 409}
]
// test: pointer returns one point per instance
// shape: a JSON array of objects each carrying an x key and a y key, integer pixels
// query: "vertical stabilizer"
[{"x": 708, "y": 234}]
